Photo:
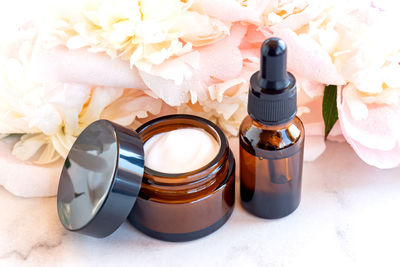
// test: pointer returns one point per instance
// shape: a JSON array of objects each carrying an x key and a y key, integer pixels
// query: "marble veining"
[
  {"x": 348, "y": 216},
  {"x": 20, "y": 255}
]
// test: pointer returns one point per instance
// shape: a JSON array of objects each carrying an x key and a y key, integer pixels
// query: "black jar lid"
[{"x": 101, "y": 179}]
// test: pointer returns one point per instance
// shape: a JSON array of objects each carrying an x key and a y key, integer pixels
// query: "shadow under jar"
[{"x": 185, "y": 206}]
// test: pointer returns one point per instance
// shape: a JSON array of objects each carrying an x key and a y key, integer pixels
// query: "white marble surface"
[{"x": 349, "y": 216}]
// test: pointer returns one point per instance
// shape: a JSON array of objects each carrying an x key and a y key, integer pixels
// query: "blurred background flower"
[{"x": 73, "y": 62}]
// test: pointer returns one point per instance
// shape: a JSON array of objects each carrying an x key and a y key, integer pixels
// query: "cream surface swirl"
[{"x": 179, "y": 151}]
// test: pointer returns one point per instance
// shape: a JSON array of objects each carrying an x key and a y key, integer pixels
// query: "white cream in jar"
[{"x": 181, "y": 150}]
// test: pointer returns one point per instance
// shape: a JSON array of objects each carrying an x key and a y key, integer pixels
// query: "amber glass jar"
[
  {"x": 185, "y": 206},
  {"x": 271, "y": 163}
]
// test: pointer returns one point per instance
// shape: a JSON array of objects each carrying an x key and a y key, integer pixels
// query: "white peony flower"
[
  {"x": 49, "y": 116},
  {"x": 136, "y": 30}
]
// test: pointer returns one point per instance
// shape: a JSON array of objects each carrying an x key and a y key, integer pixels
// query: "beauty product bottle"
[{"x": 271, "y": 138}]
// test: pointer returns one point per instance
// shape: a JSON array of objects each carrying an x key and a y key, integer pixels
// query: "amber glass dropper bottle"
[{"x": 271, "y": 138}]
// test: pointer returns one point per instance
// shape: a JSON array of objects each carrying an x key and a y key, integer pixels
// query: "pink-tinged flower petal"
[
  {"x": 228, "y": 10},
  {"x": 314, "y": 146},
  {"x": 315, "y": 105},
  {"x": 185, "y": 78},
  {"x": 173, "y": 79},
  {"x": 310, "y": 87},
  {"x": 374, "y": 138},
  {"x": 254, "y": 37},
  {"x": 378, "y": 130},
  {"x": 237, "y": 33},
  {"x": 164, "y": 111},
  {"x": 167, "y": 90},
  {"x": 315, "y": 140},
  {"x": 252, "y": 55},
  {"x": 297, "y": 20},
  {"x": 315, "y": 129},
  {"x": 133, "y": 104},
  {"x": 80, "y": 66},
  {"x": 177, "y": 69},
  {"x": 24, "y": 179},
  {"x": 368, "y": 81},
  {"x": 384, "y": 159},
  {"x": 307, "y": 58},
  {"x": 336, "y": 133},
  {"x": 303, "y": 98},
  {"x": 223, "y": 60},
  {"x": 218, "y": 90}
]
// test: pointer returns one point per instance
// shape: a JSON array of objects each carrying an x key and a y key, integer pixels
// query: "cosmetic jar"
[
  {"x": 187, "y": 205},
  {"x": 104, "y": 181}
]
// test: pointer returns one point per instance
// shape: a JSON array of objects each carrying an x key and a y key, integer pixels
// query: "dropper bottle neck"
[
  {"x": 273, "y": 74},
  {"x": 272, "y": 94}
]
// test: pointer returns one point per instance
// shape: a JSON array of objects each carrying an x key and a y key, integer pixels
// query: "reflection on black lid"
[{"x": 87, "y": 175}]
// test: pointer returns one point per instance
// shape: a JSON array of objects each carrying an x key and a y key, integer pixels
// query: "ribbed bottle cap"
[{"x": 272, "y": 93}]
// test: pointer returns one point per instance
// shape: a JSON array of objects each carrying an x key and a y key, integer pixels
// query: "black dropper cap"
[{"x": 272, "y": 93}]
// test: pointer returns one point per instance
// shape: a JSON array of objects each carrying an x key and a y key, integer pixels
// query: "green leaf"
[
  {"x": 76, "y": 195},
  {"x": 67, "y": 164},
  {"x": 329, "y": 108}
]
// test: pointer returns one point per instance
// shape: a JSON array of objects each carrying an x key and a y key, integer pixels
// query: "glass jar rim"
[{"x": 221, "y": 139}]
